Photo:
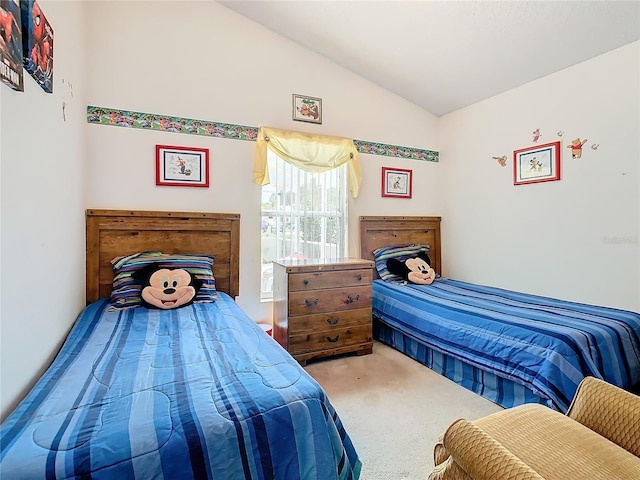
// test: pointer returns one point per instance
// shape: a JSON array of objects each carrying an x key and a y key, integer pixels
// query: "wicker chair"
[{"x": 598, "y": 438}]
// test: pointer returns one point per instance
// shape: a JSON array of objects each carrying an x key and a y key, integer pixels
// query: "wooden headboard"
[
  {"x": 111, "y": 233},
  {"x": 377, "y": 232}
]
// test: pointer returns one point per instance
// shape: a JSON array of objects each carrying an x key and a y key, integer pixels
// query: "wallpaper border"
[{"x": 165, "y": 123}]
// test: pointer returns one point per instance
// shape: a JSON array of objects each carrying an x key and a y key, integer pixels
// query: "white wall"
[
  {"x": 42, "y": 199},
  {"x": 576, "y": 238},
  {"x": 214, "y": 64}
]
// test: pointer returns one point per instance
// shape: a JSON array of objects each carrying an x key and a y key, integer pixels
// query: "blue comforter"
[
  {"x": 548, "y": 345},
  {"x": 196, "y": 392}
]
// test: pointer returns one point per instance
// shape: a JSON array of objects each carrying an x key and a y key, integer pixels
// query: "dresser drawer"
[
  {"x": 319, "y": 280},
  {"x": 304, "y": 324},
  {"x": 322, "y": 308},
  {"x": 329, "y": 300},
  {"x": 307, "y": 342}
]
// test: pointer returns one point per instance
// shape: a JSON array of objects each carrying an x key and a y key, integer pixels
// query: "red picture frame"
[
  {"x": 396, "y": 182},
  {"x": 182, "y": 166},
  {"x": 540, "y": 163}
]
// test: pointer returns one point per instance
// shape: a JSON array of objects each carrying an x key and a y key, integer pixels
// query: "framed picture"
[
  {"x": 11, "y": 46},
  {"x": 307, "y": 109},
  {"x": 540, "y": 163},
  {"x": 37, "y": 44},
  {"x": 182, "y": 166},
  {"x": 396, "y": 182}
]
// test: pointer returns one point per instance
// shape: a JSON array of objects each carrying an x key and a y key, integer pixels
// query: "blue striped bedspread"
[
  {"x": 197, "y": 392},
  {"x": 545, "y": 344}
]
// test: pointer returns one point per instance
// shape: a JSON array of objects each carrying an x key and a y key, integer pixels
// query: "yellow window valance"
[{"x": 307, "y": 151}]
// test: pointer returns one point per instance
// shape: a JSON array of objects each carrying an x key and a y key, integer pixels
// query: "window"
[{"x": 304, "y": 216}]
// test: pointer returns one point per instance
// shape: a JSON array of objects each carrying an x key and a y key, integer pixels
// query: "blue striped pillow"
[
  {"x": 126, "y": 290},
  {"x": 401, "y": 252}
]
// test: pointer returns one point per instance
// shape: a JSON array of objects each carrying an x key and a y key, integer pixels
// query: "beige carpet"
[{"x": 394, "y": 409}]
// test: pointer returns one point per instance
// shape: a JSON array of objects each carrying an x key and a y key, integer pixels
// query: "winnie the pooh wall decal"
[{"x": 576, "y": 147}]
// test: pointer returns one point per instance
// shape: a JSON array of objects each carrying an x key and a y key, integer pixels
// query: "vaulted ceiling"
[{"x": 445, "y": 55}]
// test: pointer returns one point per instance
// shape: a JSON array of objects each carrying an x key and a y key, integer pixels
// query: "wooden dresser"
[{"x": 322, "y": 308}]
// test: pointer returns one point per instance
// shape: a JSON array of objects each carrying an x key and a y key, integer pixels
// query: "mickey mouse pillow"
[
  {"x": 413, "y": 269},
  {"x": 166, "y": 288}
]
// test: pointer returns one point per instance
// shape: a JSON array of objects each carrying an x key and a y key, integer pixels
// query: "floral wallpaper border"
[
  {"x": 395, "y": 151},
  {"x": 153, "y": 121}
]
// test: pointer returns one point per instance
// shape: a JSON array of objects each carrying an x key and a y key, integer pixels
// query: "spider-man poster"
[
  {"x": 37, "y": 44},
  {"x": 11, "y": 45}
]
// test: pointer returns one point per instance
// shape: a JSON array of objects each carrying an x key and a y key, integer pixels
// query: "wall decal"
[
  {"x": 502, "y": 160},
  {"x": 152, "y": 121},
  {"x": 560, "y": 133},
  {"x": 595, "y": 146},
  {"x": 536, "y": 135},
  {"x": 11, "y": 45},
  {"x": 66, "y": 96},
  {"x": 576, "y": 147},
  {"x": 395, "y": 151},
  {"x": 37, "y": 44}
]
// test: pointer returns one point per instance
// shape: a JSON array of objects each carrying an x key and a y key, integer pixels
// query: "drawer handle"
[
  {"x": 350, "y": 299},
  {"x": 333, "y": 340},
  {"x": 331, "y": 321},
  {"x": 359, "y": 277},
  {"x": 310, "y": 303},
  {"x": 306, "y": 282}
]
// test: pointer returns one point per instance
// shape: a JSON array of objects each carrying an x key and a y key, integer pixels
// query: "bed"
[
  {"x": 199, "y": 391},
  {"x": 506, "y": 346}
]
